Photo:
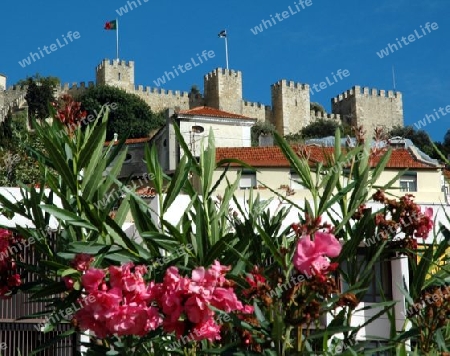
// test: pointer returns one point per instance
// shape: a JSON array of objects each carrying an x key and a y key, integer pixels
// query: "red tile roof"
[
  {"x": 130, "y": 141},
  {"x": 211, "y": 112},
  {"x": 273, "y": 157},
  {"x": 146, "y": 192}
]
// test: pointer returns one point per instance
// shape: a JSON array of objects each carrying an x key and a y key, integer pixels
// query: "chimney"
[{"x": 265, "y": 140}]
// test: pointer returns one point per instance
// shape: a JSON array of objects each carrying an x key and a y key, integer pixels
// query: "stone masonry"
[
  {"x": 370, "y": 108},
  {"x": 290, "y": 110}
]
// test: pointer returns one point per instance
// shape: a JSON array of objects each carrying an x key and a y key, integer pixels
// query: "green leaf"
[{"x": 69, "y": 217}]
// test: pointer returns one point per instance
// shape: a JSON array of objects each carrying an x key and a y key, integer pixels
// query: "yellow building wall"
[{"x": 428, "y": 184}]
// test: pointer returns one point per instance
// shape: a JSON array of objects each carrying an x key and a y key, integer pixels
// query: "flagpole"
[
  {"x": 226, "y": 47},
  {"x": 393, "y": 76},
  {"x": 117, "y": 38}
]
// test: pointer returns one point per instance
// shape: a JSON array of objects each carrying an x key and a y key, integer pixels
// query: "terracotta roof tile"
[
  {"x": 211, "y": 112},
  {"x": 130, "y": 141},
  {"x": 273, "y": 157}
]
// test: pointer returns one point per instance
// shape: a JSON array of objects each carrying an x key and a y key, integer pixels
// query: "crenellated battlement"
[
  {"x": 140, "y": 89},
  {"x": 16, "y": 88},
  {"x": 223, "y": 71},
  {"x": 319, "y": 115},
  {"x": 115, "y": 63},
  {"x": 289, "y": 110},
  {"x": 290, "y": 84},
  {"x": 14, "y": 93},
  {"x": 76, "y": 86},
  {"x": 358, "y": 91},
  {"x": 255, "y": 104}
]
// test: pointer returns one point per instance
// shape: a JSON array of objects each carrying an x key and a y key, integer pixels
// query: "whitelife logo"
[
  {"x": 183, "y": 68},
  {"x": 71, "y": 36},
  {"x": 129, "y": 6},
  {"x": 266, "y": 24},
  {"x": 411, "y": 38}
]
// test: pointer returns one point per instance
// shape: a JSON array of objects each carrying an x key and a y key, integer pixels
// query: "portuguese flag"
[{"x": 111, "y": 25}]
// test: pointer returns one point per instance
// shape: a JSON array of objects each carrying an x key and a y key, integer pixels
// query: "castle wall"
[
  {"x": 291, "y": 106},
  {"x": 196, "y": 100},
  {"x": 2, "y": 100},
  {"x": 74, "y": 90},
  {"x": 11, "y": 98},
  {"x": 160, "y": 99},
  {"x": 318, "y": 115},
  {"x": 290, "y": 110},
  {"x": 223, "y": 90},
  {"x": 258, "y": 111},
  {"x": 2, "y": 82},
  {"x": 370, "y": 107}
]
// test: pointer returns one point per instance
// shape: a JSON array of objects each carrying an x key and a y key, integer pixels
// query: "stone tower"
[
  {"x": 223, "y": 90},
  {"x": 2, "y": 94},
  {"x": 370, "y": 108},
  {"x": 290, "y": 106},
  {"x": 116, "y": 73}
]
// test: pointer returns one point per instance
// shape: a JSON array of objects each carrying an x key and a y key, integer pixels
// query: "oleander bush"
[{"x": 229, "y": 278}]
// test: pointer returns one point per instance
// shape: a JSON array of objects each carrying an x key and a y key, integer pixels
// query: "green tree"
[
  {"x": 319, "y": 128},
  {"x": 130, "y": 116},
  {"x": 419, "y": 137},
  {"x": 40, "y": 95},
  {"x": 16, "y": 162},
  {"x": 261, "y": 128}
]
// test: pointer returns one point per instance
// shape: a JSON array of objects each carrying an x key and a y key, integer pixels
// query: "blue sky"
[{"x": 305, "y": 47}]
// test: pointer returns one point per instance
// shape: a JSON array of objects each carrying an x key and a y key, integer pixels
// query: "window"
[
  {"x": 118, "y": 76},
  {"x": 128, "y": 158},
  {"x": 408, "y": 182},
  {"x": 381, "y": 283},
  {"x": 248, "y": 180}
]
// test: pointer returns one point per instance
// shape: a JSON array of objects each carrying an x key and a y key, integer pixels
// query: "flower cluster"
[
  {"x": 185, "y": 302},
  {"x": 9, "y": 278},
  {"x": 71, "y": 113},
  {"x": 403, "y": 216},
  {"x": 122, "y": 302},
  {"x": 312, "y": 256},
  {"x": 125, "y": 304}
]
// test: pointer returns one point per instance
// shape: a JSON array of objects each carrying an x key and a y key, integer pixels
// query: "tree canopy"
[
  {"x": 40, "y": 95},
  {"x": 419, "y": 137},
  {"x": 261, "y": 128},
  {"x": 130, "y": 116}
]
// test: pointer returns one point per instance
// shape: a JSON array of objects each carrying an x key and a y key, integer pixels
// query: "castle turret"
[
  {"x": 2, "y": 96},
  {"x": 223, "y": 90},
  {"x": 290, "y": 106},
  {"x": 370, "y": 108},
  {"x": 116, "y": 73},
  {"x": 2, "y": 89},
  {"x": 2, "y": 82}
]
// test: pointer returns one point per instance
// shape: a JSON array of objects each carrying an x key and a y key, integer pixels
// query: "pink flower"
[
  {"x": 92, "y": 279},
  {"x": 87, "y": 321},
  {"x": 197, "y": 310},
  {"x": 14, "y": 280},
  {"x": 172, "y": 305},
  {"x": 424, "y": 224},
  {"x": 82, "y": 261},
  {"x": 225, "y": 299},
  {"x": 208, "y": 330},
  {"x": 311, "y": 255},
  {"x": 128, "y": 320}
]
